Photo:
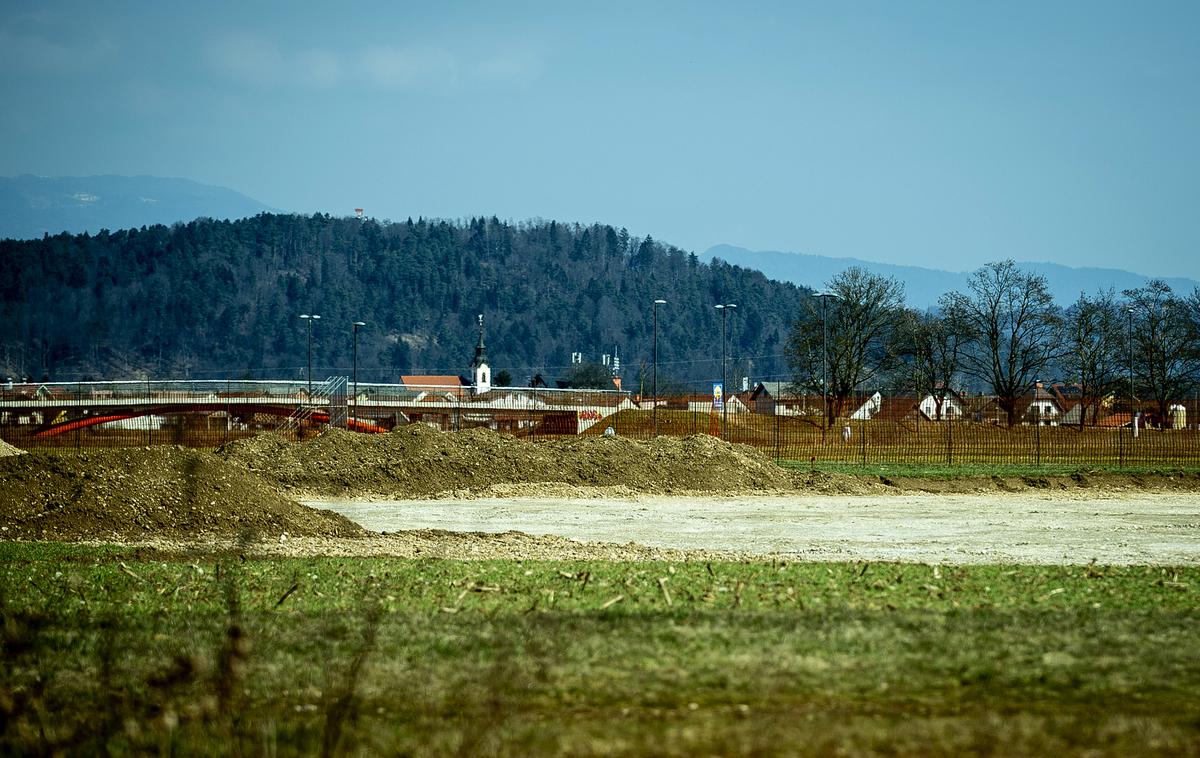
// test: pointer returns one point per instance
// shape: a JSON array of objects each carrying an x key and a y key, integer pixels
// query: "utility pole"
[
  {"x": 356, "y": 324},
  {"x": 724, "y": 383},
  {"x": 825, "y": 358},
  {"x": 309, "y": 319},
  {"x": 655, "y": 309}
]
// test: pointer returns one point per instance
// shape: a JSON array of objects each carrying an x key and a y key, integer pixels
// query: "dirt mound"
[
  {"x": 7, "y": 449},
  {"x": 1081, "y": 483},
  {"x": 133, "y": 493},
  {"x": 417, "y": 461},
  {"x": 830, "y": 483}
]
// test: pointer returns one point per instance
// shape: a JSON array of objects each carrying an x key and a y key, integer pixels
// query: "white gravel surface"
[{"x": 1127, "y": 529}]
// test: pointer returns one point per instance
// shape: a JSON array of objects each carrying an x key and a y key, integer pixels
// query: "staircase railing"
[{"x": 327, "y": 399}]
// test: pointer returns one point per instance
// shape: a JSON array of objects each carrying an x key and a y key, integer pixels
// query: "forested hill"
[{"x": 222, "y": 299}]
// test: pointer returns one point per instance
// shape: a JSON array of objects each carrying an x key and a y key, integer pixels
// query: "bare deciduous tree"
[
  {"x": 1165, "y": 344},
  {"x": 1094, "y": 349},
  {"x": 1014, "y": 328},
  {"x": 932, "y": 347},
  {"x": 863, "y": 325}
]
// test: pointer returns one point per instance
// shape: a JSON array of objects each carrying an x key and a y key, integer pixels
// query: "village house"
[
  {"x": 953, "y": 406},
  {"x": 703, "y": 404},
  {"x": 901, "y": 407},
  {"x": 880, "y": 408},
  {"x": 439, "y": 384},
  {"x": 1041, "y": 407},
  {"x": 781, "y": 399}
]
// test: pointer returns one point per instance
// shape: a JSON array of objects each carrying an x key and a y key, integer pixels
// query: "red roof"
[
  {"x": 432, "y": 380},
  {"x": 897, "y": 409}
]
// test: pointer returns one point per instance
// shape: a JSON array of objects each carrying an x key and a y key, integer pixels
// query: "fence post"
[
  {"x": 949, "y": 442},
  {"x": 149, "y": 423},
  {"x": 776, "y": 412},
  {"x": 1120, "y": 448},
  {"x": 862, "y": 433},
  {"x": 1037, "y": 437}
]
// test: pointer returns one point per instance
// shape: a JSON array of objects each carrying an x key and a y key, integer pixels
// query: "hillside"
[
  {"x": 31, "y": 206},
  {"x": 222, "y": 298},
  {"x": 923, "y": 286}
]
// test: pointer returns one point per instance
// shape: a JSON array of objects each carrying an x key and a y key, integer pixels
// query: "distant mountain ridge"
[
  {"x": 31, "y": 206},
  {"x": 923, "y": 286}
]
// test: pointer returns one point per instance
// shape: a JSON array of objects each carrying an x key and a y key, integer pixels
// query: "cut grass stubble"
[{"x": 125, "y": 652}]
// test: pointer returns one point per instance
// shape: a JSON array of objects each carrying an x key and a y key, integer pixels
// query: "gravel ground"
[{"x": 1007, "y": 528}]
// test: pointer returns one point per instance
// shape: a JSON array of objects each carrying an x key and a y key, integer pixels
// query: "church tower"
[{"x": 482, "y": 372}]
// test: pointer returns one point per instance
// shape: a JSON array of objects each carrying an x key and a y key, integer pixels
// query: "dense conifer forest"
[{"x": 222, "y": 299}]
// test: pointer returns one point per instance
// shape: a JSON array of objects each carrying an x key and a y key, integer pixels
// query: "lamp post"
[
  {"x": 825, "y": 357},
  {"x": 1132, "y": 413},
  {"x": 724, "y": 309},
  {"x": 356, "y": 324},
  {"x": 310, "y": 319},
  {"x": 655, "y": 309}
]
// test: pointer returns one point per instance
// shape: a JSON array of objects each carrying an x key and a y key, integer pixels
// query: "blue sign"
[{"x": 718, "y": 396}]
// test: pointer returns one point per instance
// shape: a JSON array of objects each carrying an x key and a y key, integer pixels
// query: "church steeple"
[
  {"x": 480, "y": 350},
  {"x": 482, "y": 372}
]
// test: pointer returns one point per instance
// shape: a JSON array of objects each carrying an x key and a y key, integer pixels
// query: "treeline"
[
  {"x": 1138, "y": 349},
  {"x": 222, "y": 299}
]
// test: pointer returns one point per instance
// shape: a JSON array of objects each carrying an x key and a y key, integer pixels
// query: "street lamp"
[
  {"x": 825, "y": 357},
  {"x": 356, "y": 325},
  {"x": 310, "y": 319},
  {"x": 724, "y": 309},
  {"x": 1132, "y": 414},
  {"x": 655, "y": 309}
]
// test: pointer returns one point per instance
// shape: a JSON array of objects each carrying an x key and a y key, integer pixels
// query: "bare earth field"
[
  {"x": 1006, "y": 528},
  {"x": 477, "y": 494}
]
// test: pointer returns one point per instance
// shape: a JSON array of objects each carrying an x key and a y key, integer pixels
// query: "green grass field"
[{"x": 107, "y": 650}]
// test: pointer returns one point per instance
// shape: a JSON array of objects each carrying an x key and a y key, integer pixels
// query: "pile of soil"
[
  {"x": 829, "y": 483},
  {"x": 417, "y": 461},
  {"x": 1082, "y": 483},
  {"x": 130, "y": 494},
  {"x": 7, "y": 449}
]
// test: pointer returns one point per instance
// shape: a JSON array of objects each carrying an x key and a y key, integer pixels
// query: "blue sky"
[{"x": 933, "y": 134}]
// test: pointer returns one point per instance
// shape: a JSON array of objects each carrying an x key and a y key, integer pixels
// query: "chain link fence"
[{"x": 895, "y": 428}]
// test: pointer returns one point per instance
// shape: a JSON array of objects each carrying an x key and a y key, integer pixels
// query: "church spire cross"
[
  {"x": 480, "y": 349},
  {"x": 483, "y": 372}
]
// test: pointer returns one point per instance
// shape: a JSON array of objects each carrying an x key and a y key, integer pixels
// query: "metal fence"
[
  {"x": 870, "y": 430},
  {"x": 951, "y": 443},
  {"x": 905, "y": 429}
]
